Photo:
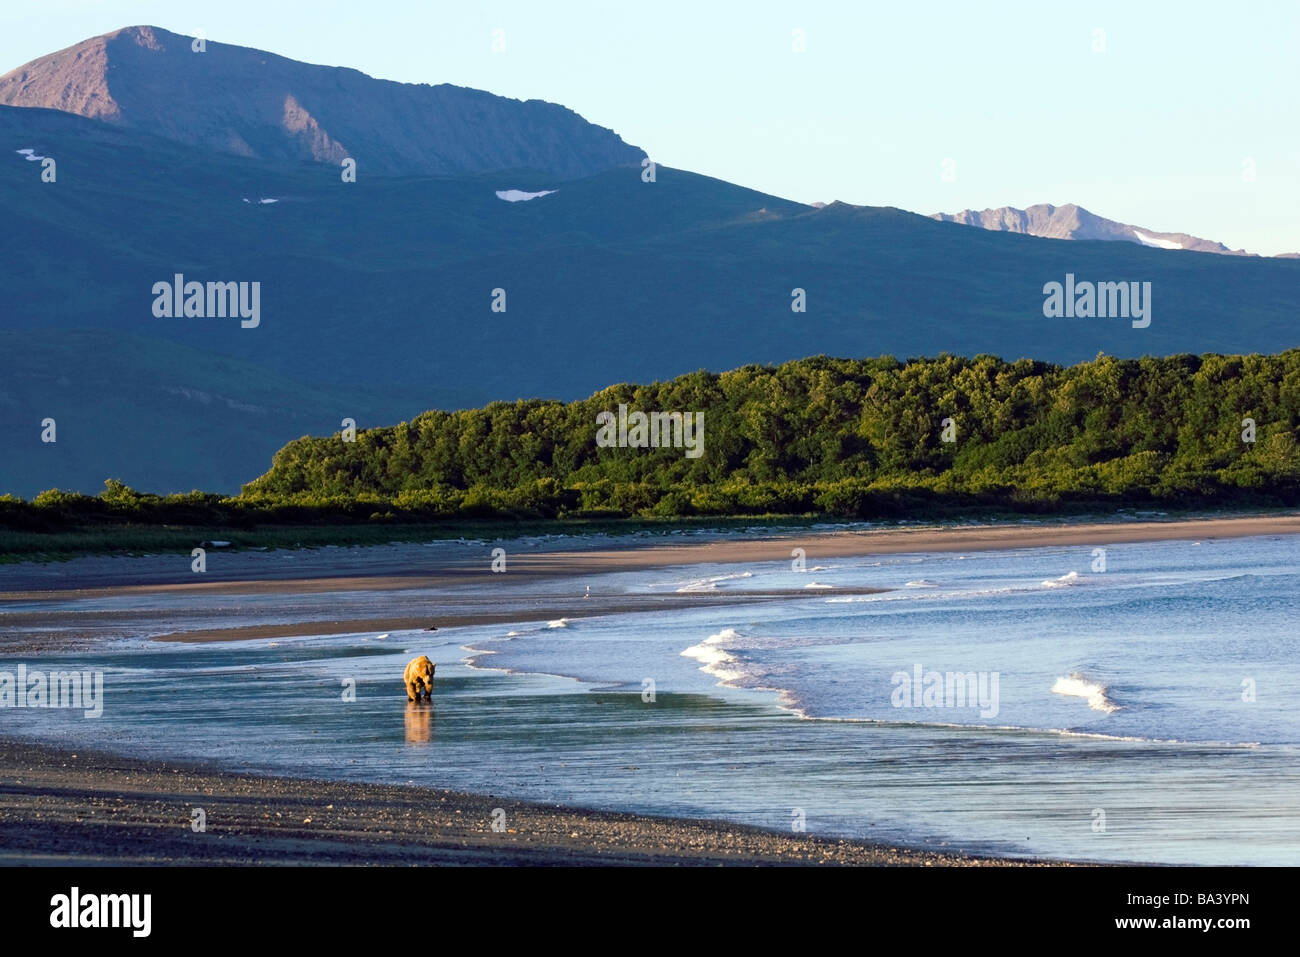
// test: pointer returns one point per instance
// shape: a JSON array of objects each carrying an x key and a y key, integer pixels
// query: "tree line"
[{"x": 842, "y": 437}]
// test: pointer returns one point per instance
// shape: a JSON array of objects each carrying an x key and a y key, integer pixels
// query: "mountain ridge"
[
  {"x": 1074, "y": 222},
  {"x": 259, "y": 104}
]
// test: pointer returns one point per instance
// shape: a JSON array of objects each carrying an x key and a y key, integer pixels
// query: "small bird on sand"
[{"x": 588, "y": 595}]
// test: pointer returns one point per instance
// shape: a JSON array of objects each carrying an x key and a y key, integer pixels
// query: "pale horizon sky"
[{"x": 1162, "y": 129}]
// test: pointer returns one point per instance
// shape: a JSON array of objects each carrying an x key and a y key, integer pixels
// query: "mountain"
[
  {"x": 175, "y": 416},
  {"x": 376, "y": 297},
  {"x": 260, "y": 105},
  {"x": 1075, "y": 222}
]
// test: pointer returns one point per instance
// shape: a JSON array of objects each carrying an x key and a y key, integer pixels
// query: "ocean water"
[{"x": 1021, "y": 702}]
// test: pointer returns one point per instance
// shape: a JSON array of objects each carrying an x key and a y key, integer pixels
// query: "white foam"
[
  {"x": 519, "y": 196},
  {"x": 1077, "y": 686},
  {"x": 715, "y": 660},
  {"x": 711, "y": 584},
  {"x": 559, "y": 623},
  {"x": 922, "y": 583},
  {"x": 1065, "y": 581},
  {"x": 817, "y": 585},
  {"x": 381, "y": 637}
]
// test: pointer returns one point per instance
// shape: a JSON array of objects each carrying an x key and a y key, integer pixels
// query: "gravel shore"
[{"x": 60, "y": 807}]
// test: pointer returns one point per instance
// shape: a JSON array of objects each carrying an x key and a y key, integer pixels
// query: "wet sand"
[
  {"x": 89, "y": 808},
  {"x": 460, "y": 613}
]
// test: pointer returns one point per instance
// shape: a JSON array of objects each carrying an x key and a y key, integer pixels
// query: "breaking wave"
[
  {"x": 1076, "y": 685},
  {"x": 1065, "y": 581}
]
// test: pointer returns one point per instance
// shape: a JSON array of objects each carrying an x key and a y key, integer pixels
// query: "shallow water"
[{"x": 1108, "y": 716}]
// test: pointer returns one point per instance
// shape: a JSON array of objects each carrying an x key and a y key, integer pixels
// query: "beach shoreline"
[
  {"x": 81, "y": 807},
  {"x": 397, "y": 566},
  {"x": 332, "y": 574}
]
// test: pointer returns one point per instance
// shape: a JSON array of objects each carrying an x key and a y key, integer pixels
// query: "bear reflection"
[{"x": 419, "y": 722}]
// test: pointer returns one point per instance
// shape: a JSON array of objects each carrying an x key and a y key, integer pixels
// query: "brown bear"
[{"x": 419, "y": 678}]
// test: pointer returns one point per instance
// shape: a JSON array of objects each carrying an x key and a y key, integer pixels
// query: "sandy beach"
[{"x": 333, "y": 573}]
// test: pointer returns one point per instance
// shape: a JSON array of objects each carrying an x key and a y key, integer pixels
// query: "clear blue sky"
[{"x": 1154, "y": 131}]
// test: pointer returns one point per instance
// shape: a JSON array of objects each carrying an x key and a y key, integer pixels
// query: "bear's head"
[{"x": 424, "y": 669}]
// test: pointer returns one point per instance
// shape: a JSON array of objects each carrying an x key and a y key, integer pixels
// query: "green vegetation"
[
  {"x": 841, "y": 437},
  {"x": 816, "y": 437}
]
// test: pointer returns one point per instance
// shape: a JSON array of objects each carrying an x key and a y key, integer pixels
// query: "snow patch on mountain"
[
  {"x": 519, "y": 196},
  {"x": 1146, "y": 240}
]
